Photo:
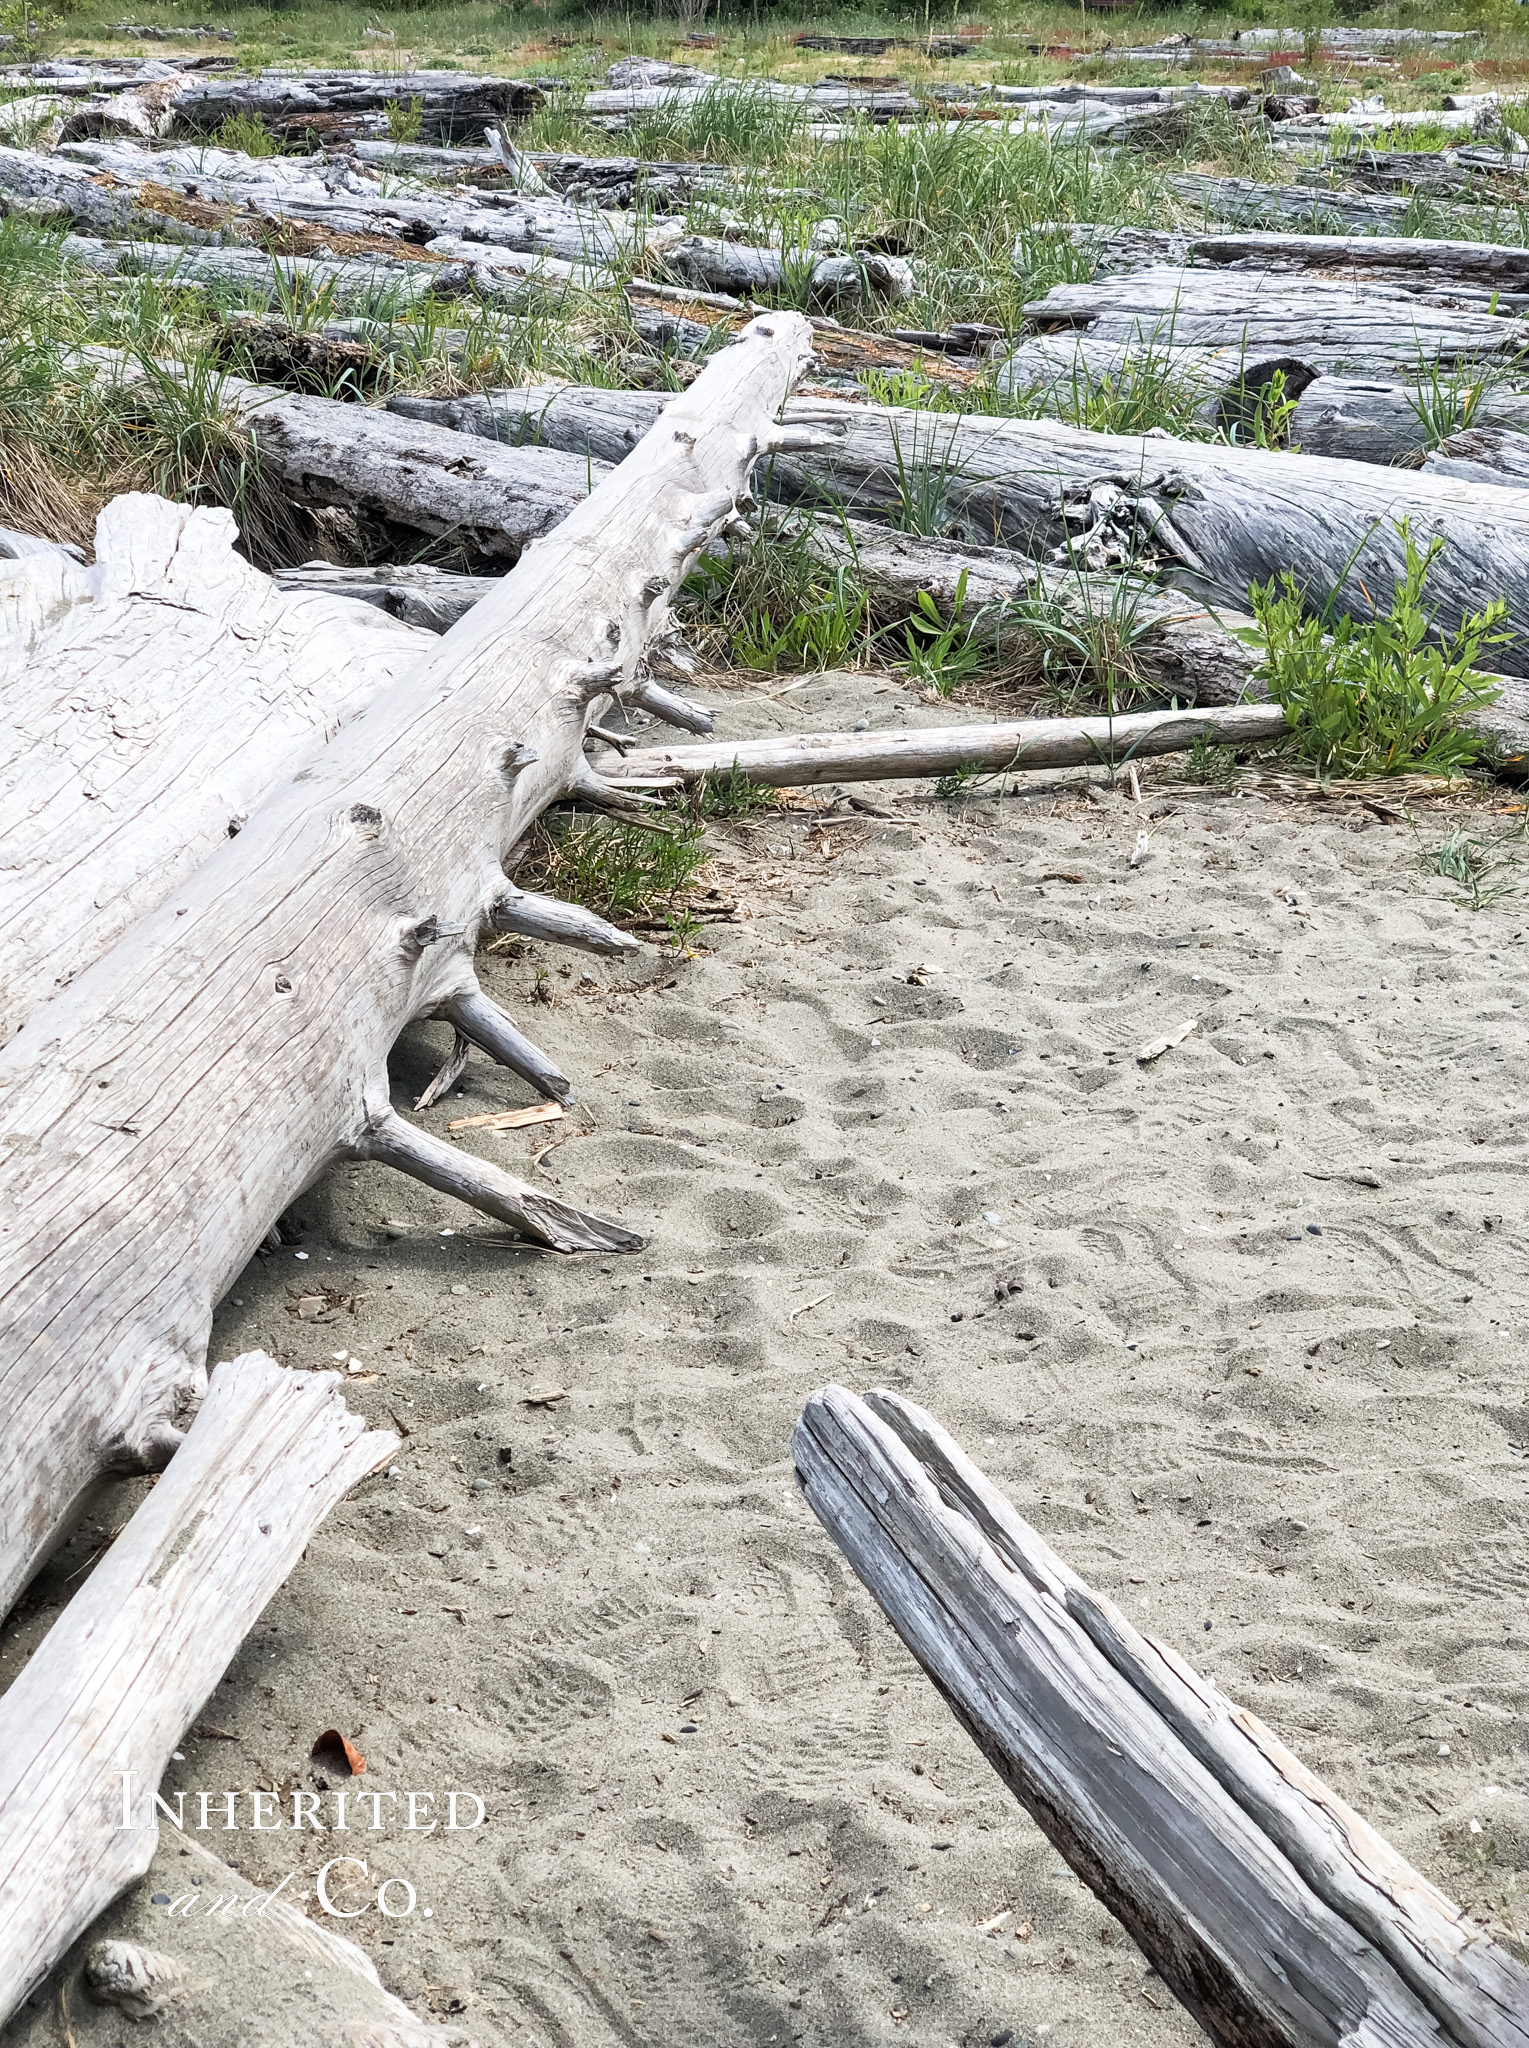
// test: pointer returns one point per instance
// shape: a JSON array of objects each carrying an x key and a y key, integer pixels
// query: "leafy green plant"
[
  {"x": 1079, "y": 648},
  {"x": 403, "y": 118},
  {"x": 1213, "y": 766},
  {"x": 942, "y": 653},
  {"x": 1263, "y": 414},
  {"x": 247, "y": 133},
  {"x": 958, "y": 783},
  {"x": 1384, "y": 695}
]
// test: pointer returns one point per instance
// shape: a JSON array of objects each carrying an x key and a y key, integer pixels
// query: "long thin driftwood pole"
[
  {"x": 120, "y": 1677},
  {"x": 161, "y": 1113},
  {"x": 1273, "y": 1911},
  {"x": 788, "y": 760}
]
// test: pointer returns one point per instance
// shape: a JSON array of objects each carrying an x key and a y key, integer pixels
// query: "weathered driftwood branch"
[
  {"x": 790, "y": 760},
  {"x": 1273, "y": 1912},
  {"x": 1419, "y": 263},
  {"x": 152, "y": 700},
  {"x": 121, "y": 1675},
  {"x": 454, "y": 106},
  {"x": 168, "y": 1106}
]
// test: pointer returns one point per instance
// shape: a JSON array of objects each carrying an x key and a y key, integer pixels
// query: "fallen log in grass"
[
  {"x": 122, "y": 1674},
  {"x": 1217, "y": 518},
  {"x": 165, "y": 1109},
  {"x": 790, "y": 760},
  {"x": 1274, "y": 1913}
]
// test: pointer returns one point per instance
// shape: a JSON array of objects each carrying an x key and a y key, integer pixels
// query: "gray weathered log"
[
  {"x": 450, "y": 1171},
  {"x": 393, "y": 283},
  {"x": 1360, "y": 421},
  {"x": 242, "y": 1030},
  {"x": 1326, "y": 323},
  {"x": 737, "y": 267},
  {"x": 1276, "y": 1915},
  {"x": 1176, "y": 644},
  {"x": 1245, "y": 201},
  {"x": 151, "y": 702},
  {"x": 1410, "y": 262},
  {"x": 795, "y": 760},
  {"x": 1219, "y": 518},
  {"x": 1487, "y": 455},
  {"x": 454, "y": 106},
  {"x": 120, "y": 1677},
  {"x": 1059, "y": 372},
  {"x": 493, "y": 501},
  {"x": 416, "y": 592}
]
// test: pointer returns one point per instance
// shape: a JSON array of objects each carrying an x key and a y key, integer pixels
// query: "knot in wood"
[{"x": 431, "y": 930}]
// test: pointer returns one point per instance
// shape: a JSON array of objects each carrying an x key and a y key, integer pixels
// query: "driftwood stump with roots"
[{"x": 163, "y": 1111}]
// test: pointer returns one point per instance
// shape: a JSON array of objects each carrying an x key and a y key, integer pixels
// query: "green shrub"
[{"x": 1384, "y": 695}]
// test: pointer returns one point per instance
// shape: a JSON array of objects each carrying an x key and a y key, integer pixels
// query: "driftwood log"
[
  {"x": 163, "y": 1111},
  {"x": 388, "y": 284},
  {"x": 1275, "y": 1914},
  {"x": 794, "y": 760},
  {"x": 1362, "y": 421},
  {"x": 1326, "y": 323},
  {"x": 121, "y": 1675},
  {"x": 152, "y": 701},
  {"x": 1416, "y": 263},
  {"x": 1218, "y": 518},
  {"x": 454, "y": 106},
  {"x": 1175, "y": 644},
  {"x": 1244, "y": 200},
  {"x": 1488, "y": 455}
]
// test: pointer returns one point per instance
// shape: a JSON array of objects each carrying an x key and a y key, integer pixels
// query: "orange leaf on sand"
[{"x": 337, "y": 1748}]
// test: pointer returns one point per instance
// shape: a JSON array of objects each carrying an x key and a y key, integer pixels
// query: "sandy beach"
[{"x": 1240, "y": 1331}]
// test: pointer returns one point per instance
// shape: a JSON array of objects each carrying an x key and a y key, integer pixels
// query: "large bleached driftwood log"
[
  {"x": 163, "y": 1111},
  {"x": 121, "y": 1675},
  {"x": 387, "y": 284},
  {"x": 151, "y": 702},
  {"x": 1243, "y": 199},
  {"x": 285, "y": 1982},
  {"x": 1273, "y": 1911},
  {"x": 794, "y": 760},
  {"x": 1219, "y": 518}
]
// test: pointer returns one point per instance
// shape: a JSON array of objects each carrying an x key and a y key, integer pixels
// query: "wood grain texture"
[
  {"x": 151, "y": 702},
  {"x": 121, "y": 1675},
  {"x": 1275, "y": 1914},
  {"x": 161, "y": 1113},
  {"x": 1332, "y": 324},
  {"x": 794, "y": 760}
]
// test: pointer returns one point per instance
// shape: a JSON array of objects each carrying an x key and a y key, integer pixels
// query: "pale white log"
[
  {"x": 121, "y": 1675},
  {"x": 243, "y": 1028},
  {"x": 536, "y": 916},
  {"x": 151, "y": 701},
  {"x": 793, "y": 760},
  {"x": 1273, "y": 1912}
]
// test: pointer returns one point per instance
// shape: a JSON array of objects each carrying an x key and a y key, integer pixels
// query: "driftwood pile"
[{"x": 256, "y": 825}]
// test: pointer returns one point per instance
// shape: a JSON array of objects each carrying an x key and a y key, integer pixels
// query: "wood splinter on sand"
[
  {"x": 1275, "y": 1914},
  {"x": 186, "y": 1086}
]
